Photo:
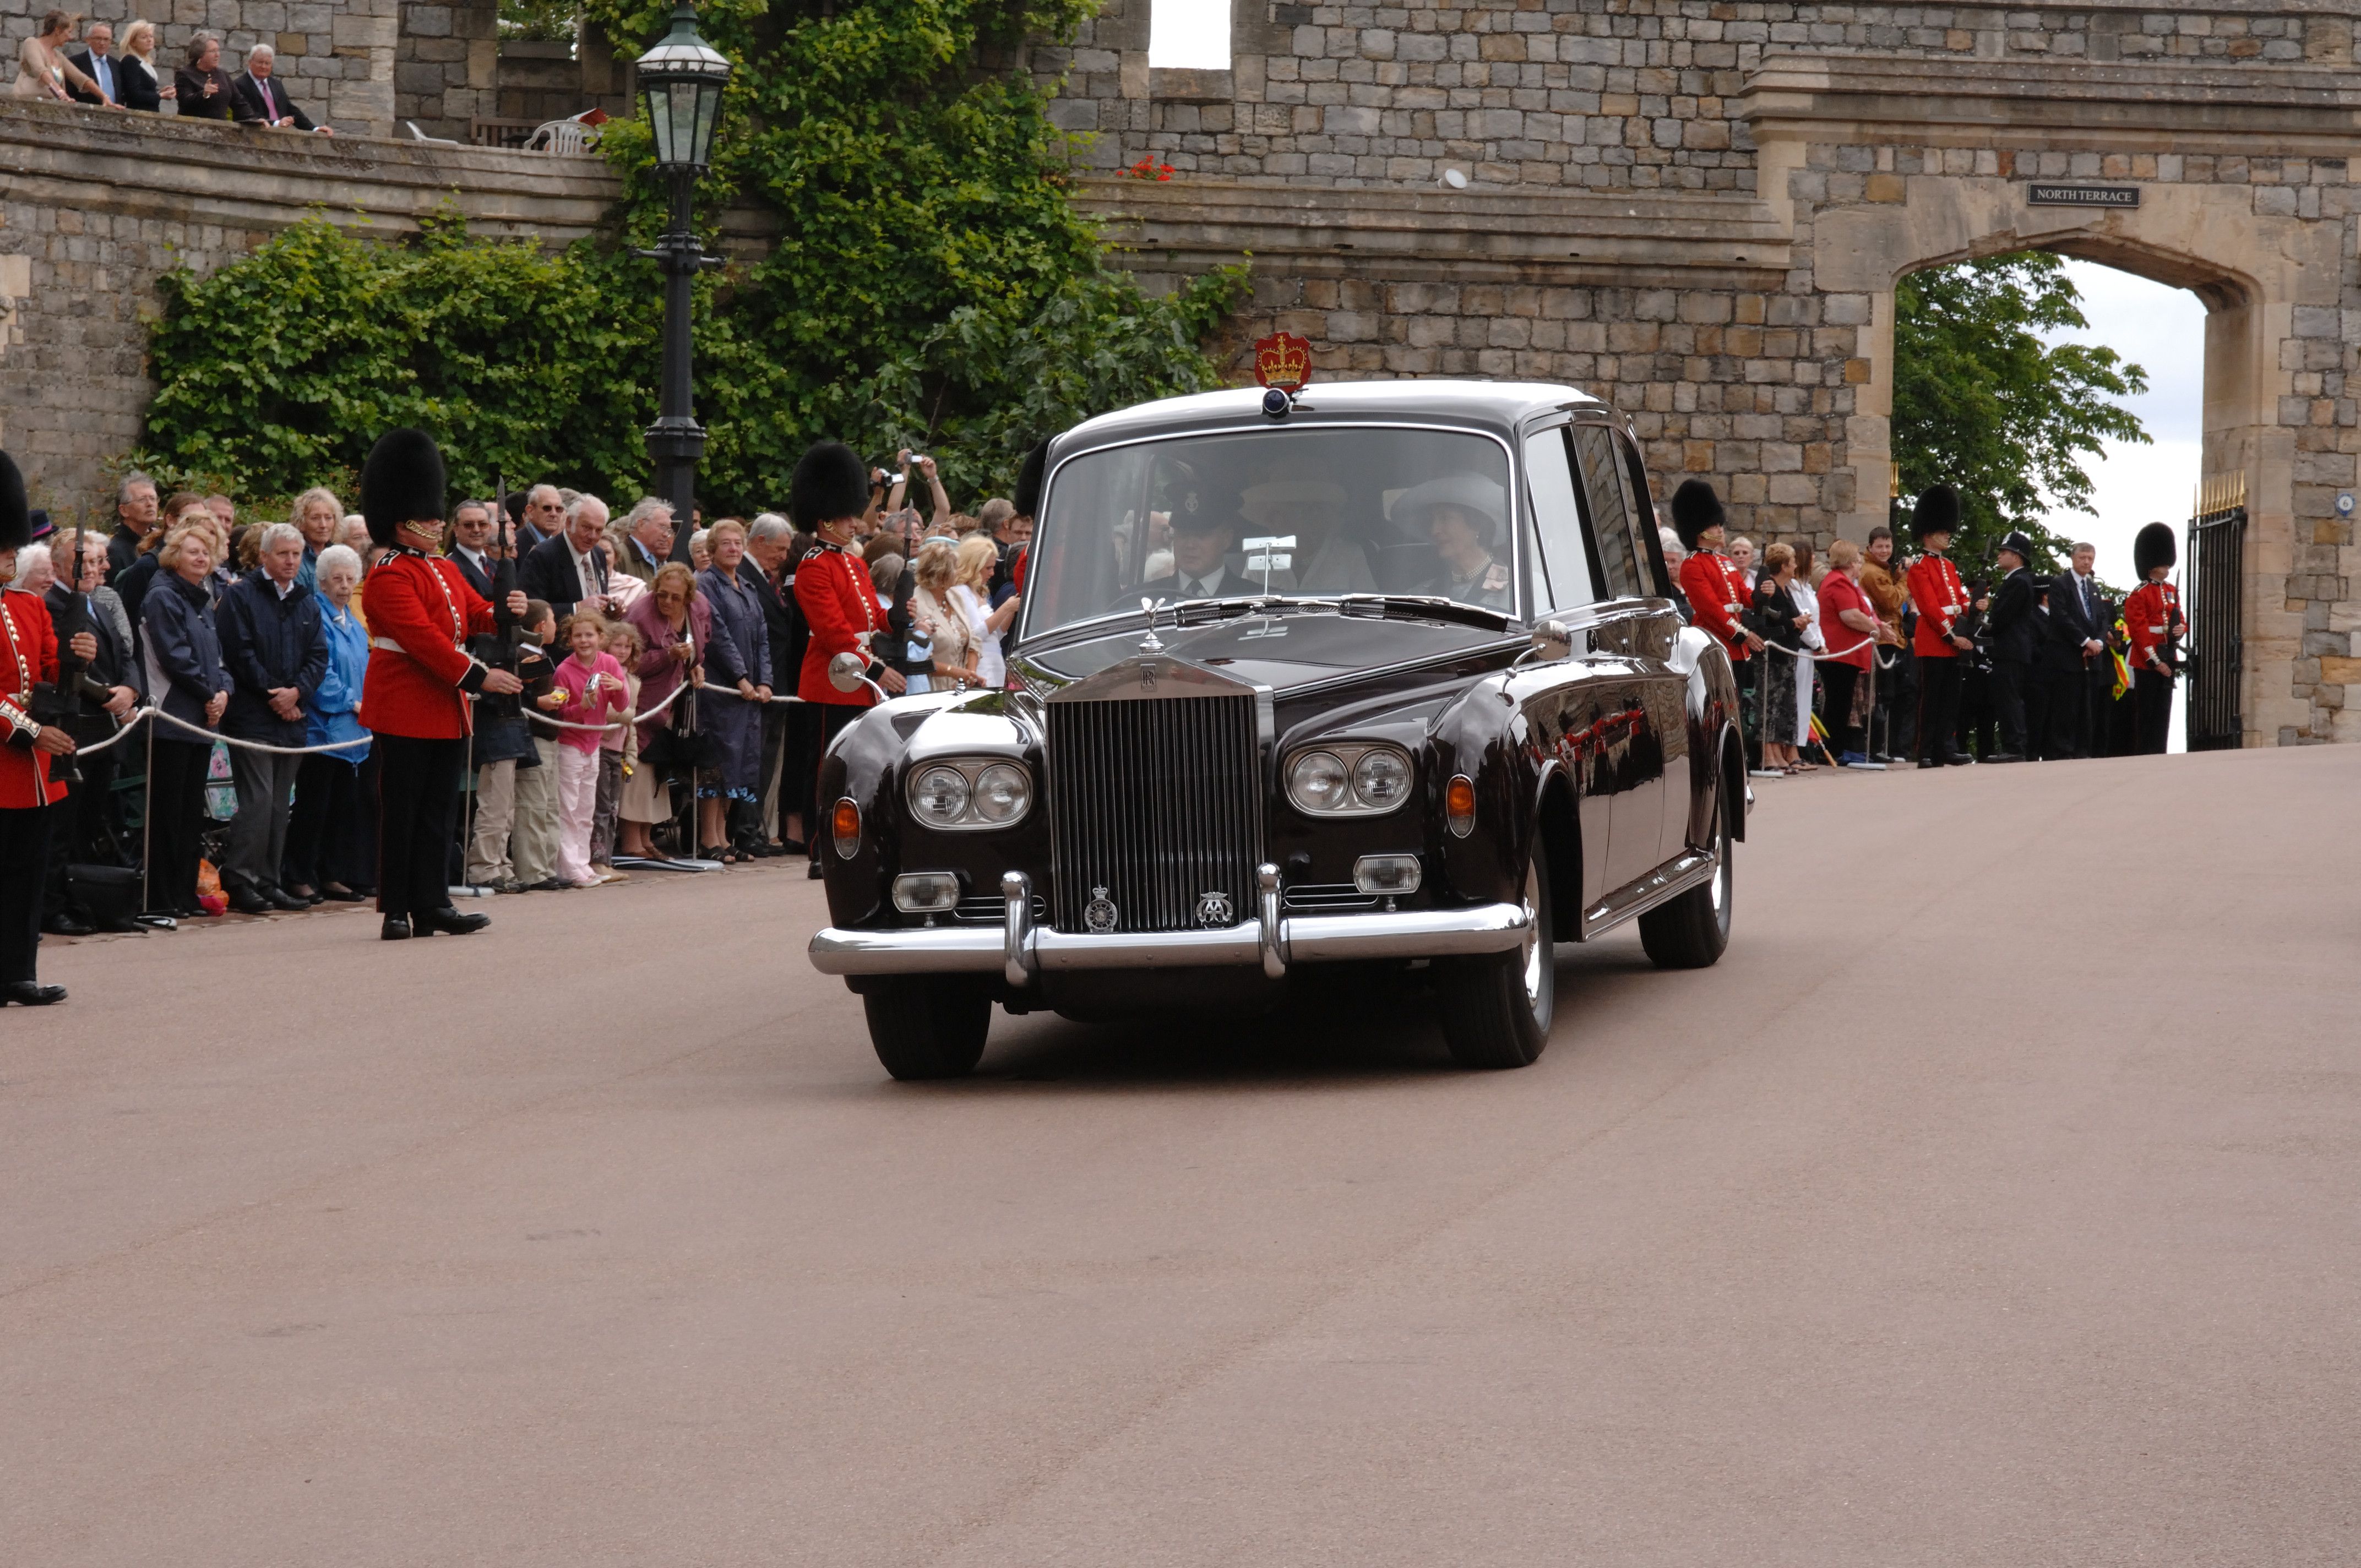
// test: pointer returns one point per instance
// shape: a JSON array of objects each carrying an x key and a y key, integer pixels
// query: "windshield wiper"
[{"x": 1433, "y": 607}]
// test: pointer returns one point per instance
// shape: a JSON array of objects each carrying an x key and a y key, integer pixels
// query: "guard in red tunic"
[
  {"x": 420, "y": 613},
  {"x": 29, "y": 795},
  {"x": 1940, "y": 599},
  {"x": 1716, "y": 590},
  {"x": 829, "y": 496},
  {"x": 2154, "y": 623}
]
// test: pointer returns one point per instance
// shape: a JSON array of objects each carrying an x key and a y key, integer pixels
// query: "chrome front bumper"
[{"x": 1019, "y": 950}]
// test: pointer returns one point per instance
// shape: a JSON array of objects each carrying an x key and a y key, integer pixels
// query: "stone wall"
[{"x": 336, "y": 60}]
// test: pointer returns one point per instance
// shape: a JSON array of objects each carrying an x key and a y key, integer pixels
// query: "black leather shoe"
[
  {"x": 341, "y": 895},
  {"x": 62, "y": 924},
  {"x": 30, "y": 993},
  {"x": 2004, "y": 757},
  {"x": 452, "y": 922},
  {"x": 1958, "y": 760},
  {"x": 247, "y": 901},
  {"x": 815, "y": 874},
  {"x": 282, "y": 899},
  {"x": 395, "y": 929},
  {"x": 1925, "y": 763}
]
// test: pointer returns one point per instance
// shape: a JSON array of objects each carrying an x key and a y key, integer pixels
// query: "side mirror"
[
  {"x": 847, "y": 672},
  {"x": 1553, "y": 641}
]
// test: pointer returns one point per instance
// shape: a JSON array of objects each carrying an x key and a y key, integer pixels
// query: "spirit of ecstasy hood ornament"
[{"x": 1150, "y": 644}]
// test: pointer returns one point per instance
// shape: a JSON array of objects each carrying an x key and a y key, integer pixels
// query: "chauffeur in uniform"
[
  {"x": 1716, "y": 592},
  {"x": 29, "y": 795},
  {"x": 829, "y": 494},
  {"x": 1942, "y": 600},
  {"x": 2154, "y": 623},
  {"x": 420, "y": 613}
]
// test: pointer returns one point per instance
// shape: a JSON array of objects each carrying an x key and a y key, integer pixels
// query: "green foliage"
[
  {"x": 1980, "y": 402},
  {"x": 932, "y": 285},
  {"x": 541, "y": 21}
]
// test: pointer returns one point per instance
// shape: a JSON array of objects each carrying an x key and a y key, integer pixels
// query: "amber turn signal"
[
  {"x": 844, "y": 823},
  {"x": 1459, "y": 806}
]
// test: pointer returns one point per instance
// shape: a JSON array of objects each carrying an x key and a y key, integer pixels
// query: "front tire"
[
  {"x": 1692, "y": 930},
  {"x": 1496, "y": 1008},
  {"x": 929, "y": 1026}
]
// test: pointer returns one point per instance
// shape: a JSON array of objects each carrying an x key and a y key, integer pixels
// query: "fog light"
[
  {"x": 844, "y": 824},
  {"x": 1391, "y": 875},
  {"x": 926, "y": 892},
  {"x": 1459, "y": 806}
]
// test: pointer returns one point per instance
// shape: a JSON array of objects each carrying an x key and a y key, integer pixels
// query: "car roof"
[{"x": 1503, "y": 404}]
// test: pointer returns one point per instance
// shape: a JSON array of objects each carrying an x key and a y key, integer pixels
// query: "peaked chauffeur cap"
[
  {"x": 1694, "y": 509},
  {"x": 1938, "y": 513},
  {"x": 828, "y": 483},
  {"x": 2154, "y": 547},
  {"x": 402, "y": 482}
]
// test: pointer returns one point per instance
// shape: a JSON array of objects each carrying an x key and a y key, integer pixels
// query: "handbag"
[{"x": 680, "y": 750}]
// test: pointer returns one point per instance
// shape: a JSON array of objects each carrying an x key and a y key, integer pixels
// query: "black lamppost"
[{"x": 680, "y": 82}]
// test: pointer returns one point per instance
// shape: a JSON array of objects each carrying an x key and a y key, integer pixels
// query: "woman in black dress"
[
  {"x": 202, "y": 85},
  {"x": 1780, "y": 621}
]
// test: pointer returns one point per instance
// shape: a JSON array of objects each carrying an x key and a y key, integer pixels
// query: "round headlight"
[
  {"x": 939, "y": 795},
  {"x": 1002, "y": 793},
  {"x": 1317, "y": 781},
  {"x": 1381, "y": 779}
]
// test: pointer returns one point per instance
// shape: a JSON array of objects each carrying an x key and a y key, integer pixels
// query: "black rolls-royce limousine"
[{"x": 1381, "y": 673}]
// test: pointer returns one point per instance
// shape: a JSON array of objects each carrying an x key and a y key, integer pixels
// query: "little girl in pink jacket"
[{"x": 590, "y": 689}]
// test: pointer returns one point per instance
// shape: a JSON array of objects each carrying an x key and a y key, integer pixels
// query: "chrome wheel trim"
[
  {"x": 1535, "y": 952},
  {"x": 1721, "y": 886}
]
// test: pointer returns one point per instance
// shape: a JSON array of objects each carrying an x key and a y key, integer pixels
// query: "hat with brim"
[
  {"x": 1470, "y": 493},
  {"x": 2017, "y": 545}
]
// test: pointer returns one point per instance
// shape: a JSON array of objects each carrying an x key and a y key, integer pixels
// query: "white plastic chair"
[{"x": 562, "y": 137}]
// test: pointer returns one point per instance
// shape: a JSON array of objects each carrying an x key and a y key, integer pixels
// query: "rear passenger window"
[
  {"x": 1619, "y": 566},
  {"x": 1557, "y": 519}
]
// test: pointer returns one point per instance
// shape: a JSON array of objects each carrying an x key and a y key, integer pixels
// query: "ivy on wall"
[{"x": 932, "y": 285}]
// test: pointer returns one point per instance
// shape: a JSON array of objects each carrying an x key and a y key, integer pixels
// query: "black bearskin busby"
[
  {"x": 830, "y": 483},
  {"x": 2018, "y": 544},
  {"x": 1938, "y": 513},
  {"x": 402, "y": 482},
  {"x": 1028, "y": 499},
  {"x": 1694, "y": 509},
  {"x": 16, "y": 522},
  {"x": 2154, "y": 546}
]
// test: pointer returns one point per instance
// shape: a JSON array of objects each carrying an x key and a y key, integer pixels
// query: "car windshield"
[{"x": 1352, "y": 511}]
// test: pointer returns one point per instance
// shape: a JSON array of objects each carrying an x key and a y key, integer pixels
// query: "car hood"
[{"x": 1281, "y": 652}]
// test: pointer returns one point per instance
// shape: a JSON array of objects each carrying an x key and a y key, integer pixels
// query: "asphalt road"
[{"x": 1993, "y": 1202}]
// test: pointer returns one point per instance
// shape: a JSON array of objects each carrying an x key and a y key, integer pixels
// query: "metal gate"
[{"x": 2214, "y": 591}]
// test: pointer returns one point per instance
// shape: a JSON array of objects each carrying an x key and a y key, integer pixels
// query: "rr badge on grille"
[
  {"x": 1098, "y": 912},
  {"x": 1213, "y": 911}
]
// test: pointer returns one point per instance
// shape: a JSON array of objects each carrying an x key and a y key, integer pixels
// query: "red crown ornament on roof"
[{"x": 1283, "y": 360}]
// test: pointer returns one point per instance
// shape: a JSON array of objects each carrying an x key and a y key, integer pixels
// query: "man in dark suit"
[
  {"x": 1201, "y": 541},
  {"x": 571, "y": 569},
  {"x": 255, "y": 98},
  {"x": 96, "y": 60},
  {"x": 107, "y": 683},
  {"x": 2078, "y": 638},
  {"x": 2011, "y": 628}
]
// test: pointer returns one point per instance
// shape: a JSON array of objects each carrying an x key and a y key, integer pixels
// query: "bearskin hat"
[
  {"x": 16, "y": 522},
  {"x": 1028, "y": 480},
  {"x": 402, "y": 482},
  {"x": 2154, "y": 547},
  {"x": 830, "y": 483},
  {"x": 1694, "y": 509},
  {"x": 1938, "y": 512}
]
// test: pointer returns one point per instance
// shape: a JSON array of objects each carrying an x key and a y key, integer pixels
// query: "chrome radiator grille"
[{"x": 1159, "y": 802}]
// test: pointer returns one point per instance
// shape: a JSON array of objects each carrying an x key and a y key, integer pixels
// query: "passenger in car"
[
  {"x": 1465, "y": 515},
  {"x": 1326, "y": 560}
]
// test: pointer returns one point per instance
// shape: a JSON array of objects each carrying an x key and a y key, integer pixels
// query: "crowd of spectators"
[
  {"x": 254, "y": 789},
  {"x": 53, "y": 63}
]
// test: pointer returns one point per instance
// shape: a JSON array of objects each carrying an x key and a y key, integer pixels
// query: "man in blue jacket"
[{"x": 277, "y": 653}]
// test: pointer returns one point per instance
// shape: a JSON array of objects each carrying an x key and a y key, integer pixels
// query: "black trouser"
[
  {"x": 2008, "y": 704},
  {"x": 2099, "y": 680},
  {"x": 176, "y": 815},
  {"x": 1749, "y": 674},
  {"x": 2153, "y": 692},
  {"x": 1976, "y": 712},
  {"x": 25, "y": 834},
  {"x": 1837, "y": 684},
  {"x": 2069, "y": 714},
  {"x": 418, "y": 796},
  {"x": 324, "y": 833},
  {"x": 1939, "y": 707},
  {"x": 1896, "y": 719},
  {"x": 800, "y": 767},
  {"x": 85, "y": 829}
]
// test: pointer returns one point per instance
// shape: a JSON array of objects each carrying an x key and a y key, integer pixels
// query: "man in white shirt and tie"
[
  {"x": 1199, "y": 542},
  {"x": 2077, "y": 615},
  {"x": 96, "y": 60},
  {"x": 255, "y": 99}
]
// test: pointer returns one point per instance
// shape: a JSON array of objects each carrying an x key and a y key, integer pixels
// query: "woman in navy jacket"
[
  {"x": 187, "y": 679},
  {"x": 737, "y": 688}
]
